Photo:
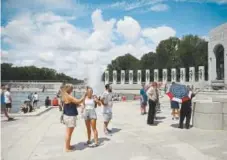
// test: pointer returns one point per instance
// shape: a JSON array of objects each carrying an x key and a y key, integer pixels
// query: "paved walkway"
[{"x": 42, "y": 138}]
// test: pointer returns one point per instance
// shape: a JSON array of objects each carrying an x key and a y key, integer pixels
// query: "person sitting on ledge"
[
  {"x": 26, "y": 107},
  {"x": 47, "y": 101}
]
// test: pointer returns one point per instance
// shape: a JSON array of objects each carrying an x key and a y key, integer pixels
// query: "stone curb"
[{"x": 31, "y": 114}]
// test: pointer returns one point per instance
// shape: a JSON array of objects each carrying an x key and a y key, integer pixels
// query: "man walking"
[
  {"x": 3, "y": 105},
  {"x": 152, "y": 94},
  {"x": 8, "y": 99},
  {"x": 107, "y": 109}
]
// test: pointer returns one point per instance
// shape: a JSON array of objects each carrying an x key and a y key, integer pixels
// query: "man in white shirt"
[
  {"x": 152, "y": 94},
  {"x": 36, "y": 99},
  {"x": 8, "y": 100},
  {"x": 107, "y": 107}
]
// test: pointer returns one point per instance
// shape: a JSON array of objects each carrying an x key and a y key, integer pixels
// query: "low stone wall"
[{"x": 210, "y": 115}]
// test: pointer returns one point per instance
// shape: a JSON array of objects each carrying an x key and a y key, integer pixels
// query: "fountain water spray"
[{"x": 94, "y": 75}]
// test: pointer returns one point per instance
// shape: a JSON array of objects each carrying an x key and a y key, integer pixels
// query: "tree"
[
  {"x": 32, "y": 73},
  {"x": 126, "y": 62},
  {"x": 170, "y": 53}
]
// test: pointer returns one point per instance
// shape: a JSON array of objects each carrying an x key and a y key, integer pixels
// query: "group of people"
[
  {"x": 6, "y": 101},
  {"x": 33, "y": 99},
  {"x": 88, "y": 102},
  {"x": 31, "y": 103},
  {"x": 150, "y": 94}
]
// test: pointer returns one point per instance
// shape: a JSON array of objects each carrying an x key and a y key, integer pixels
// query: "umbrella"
[{"x": 179, "y": 93}]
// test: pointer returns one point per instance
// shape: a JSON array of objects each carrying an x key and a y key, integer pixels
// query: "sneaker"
[{"x": 94, "y": 145}]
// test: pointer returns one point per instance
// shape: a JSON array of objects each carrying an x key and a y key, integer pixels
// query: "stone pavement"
[{"x": 42, "y": 138}]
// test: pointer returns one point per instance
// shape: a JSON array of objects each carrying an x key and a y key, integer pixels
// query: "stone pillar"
[
  {"x": 130, "y": 76},
  {"x": 173, "y": 75},
  {"x": 191, "y": 74},
  {"x": 182, "y": 75},
  {"x": 106, "y": 77},
  {"x": 122, "y": 77},
  {"x": 164, "y": 75},
  {"x": 147, "y": 80},
  {"x": 114, "y": 77},
  {"x": 201, "y": 73},
  {"x": 139, "y": 77},
  {"x": 156, "y": 75}
]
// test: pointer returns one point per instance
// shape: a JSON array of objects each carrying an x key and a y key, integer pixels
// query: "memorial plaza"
[{"x": 42, "y": 138}]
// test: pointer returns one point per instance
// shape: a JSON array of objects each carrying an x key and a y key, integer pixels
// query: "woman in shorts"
[
  {"x": 89, "y": 114},
  {"x": 70, "y": 113}
]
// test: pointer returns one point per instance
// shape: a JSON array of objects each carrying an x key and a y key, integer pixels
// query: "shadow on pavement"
[
  {"x": 6, "y": 120},
  {"x": 176, "y": 125},
  {"x": 160, "y": 118},
  {"x": 80, "y": 146},
  {"x": 102, "y": 140},
  {"x": 155, "y": 123},
  {"x": 115, "y": 130}
]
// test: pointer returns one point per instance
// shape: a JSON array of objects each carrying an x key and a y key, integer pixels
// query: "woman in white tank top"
[{"x": 89, "y": 114}]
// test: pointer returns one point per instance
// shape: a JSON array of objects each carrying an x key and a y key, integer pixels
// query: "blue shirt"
[
  {"x": 2, "y": 98},
  {"x": 143, "y": 94},
  {"x": 70, "y": 109}
]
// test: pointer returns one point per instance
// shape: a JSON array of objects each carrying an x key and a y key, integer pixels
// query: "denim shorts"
[{"x": 89, "y": 114}]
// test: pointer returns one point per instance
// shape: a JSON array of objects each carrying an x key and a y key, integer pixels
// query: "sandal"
[{"x": 94, "y": 145}]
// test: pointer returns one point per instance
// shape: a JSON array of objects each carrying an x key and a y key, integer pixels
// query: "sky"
[{"x": 68, "y": 35}]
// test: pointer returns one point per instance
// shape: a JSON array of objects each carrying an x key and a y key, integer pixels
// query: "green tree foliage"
[
  {"x": 32, "y": 73},
  {"x": 126, "y": 62},
  {"x": 190, "y": 51}
]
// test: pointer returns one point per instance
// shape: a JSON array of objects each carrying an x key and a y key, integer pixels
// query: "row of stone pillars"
[{"x": 201, "y": 75}]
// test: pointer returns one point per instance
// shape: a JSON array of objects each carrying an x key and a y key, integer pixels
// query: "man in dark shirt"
[{"x": 186, "y": 111}]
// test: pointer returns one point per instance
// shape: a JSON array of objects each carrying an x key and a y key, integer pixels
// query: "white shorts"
[
  {"x": 107, "y": 116},
  {"x": 69, "y": 121}
]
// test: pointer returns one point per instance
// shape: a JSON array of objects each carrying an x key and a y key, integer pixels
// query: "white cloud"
[
  {"x": 46, "y": 57},
  {"x": 135, "y": 4},
  {"x": 204, "y": 1},
  {"x": 49, "y": 40},
  {"x": 159, "y": 7},
  {"x": 40, "y": 3},
  {"x": 102, "y": 32},
  {"x": 205, "y": 37},
  {"x": 159, "y": 33},
  {"x": 49, "y": 17},
  {"x": 129, "y": 28}
]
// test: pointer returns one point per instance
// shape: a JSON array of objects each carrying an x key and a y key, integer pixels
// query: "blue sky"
[{"x": 98, "y": 28}]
